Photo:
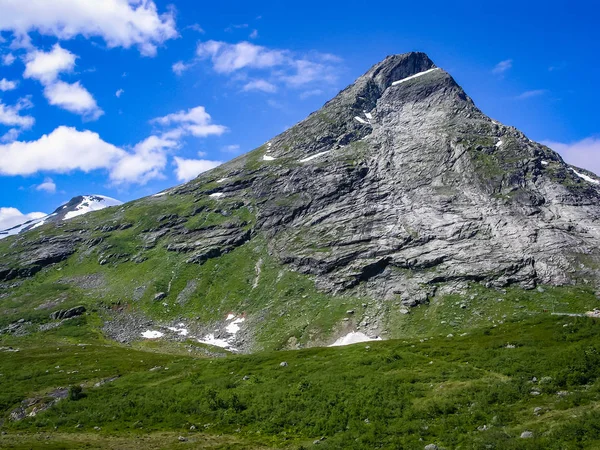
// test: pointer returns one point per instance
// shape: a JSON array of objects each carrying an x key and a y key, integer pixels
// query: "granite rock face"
[{"x": 398, "y": 187}]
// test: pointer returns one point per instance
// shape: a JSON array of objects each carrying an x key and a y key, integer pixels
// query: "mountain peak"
[{"x": 399, "y": 67}]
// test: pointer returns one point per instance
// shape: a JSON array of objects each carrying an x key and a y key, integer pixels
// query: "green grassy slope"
[{"x": 472, "y": 391}]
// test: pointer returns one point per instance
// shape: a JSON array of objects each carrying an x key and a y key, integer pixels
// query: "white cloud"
[
  {"x": 10, "y": 135},
  {"x": 74, "y": 98},
  {"x": 502, "y": 67},
  {"x": 227, "y": 58},
  {"x": 584, "y": 153},
  {"x": 195, "y": 121},
  {"x": 8, "y": 59},
  {"x": 63, "y": 150},
  {"x": 67, "y": 149},
  {"x": 529, "y": 94},
  {"x": 48, "y": 186},
  {"x": 147, "y": 161},
  {"x": 120, "y": 23},
  {"x": 188, "y": 169},
  {"x": 260, "y": 85},
  {"x": 254, "y": 34},
  {"x": 282, "y": 66},
  {"x": 306, "y": 72},
  {"x": 10, "y": 115},
  {"x": 11, "y": 217},
  {"x": 196, "y": 27},
  {"x": 179, "y": 67},
  {"x": 46, "y": 66},
  {"x": 6, "y": 85},
  {"x": 119, "y": 93}
]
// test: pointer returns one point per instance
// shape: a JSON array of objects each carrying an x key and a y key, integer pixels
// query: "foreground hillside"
[{"x": 519, "y": 385}]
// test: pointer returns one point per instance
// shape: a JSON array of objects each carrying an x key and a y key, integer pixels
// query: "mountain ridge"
[
  {"x": 399, "y": 192},
  {"x": 78, "y": 205}
]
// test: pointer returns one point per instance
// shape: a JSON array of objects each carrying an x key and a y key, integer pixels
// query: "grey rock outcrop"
[{"x": 67, "y": 313}]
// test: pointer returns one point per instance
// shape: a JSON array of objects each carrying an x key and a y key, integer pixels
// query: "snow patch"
[
  {"x": 310, "y": 158},
  {"x": 268, "y": 158},
  {"x": 585, "y": 177},
  {"x": 368, "y": 115},
  {"x": 231, "y": 330},
  {"x": 361, "y": 120},
  {"x": 149, "y": 334},
  {"x": 353, "y": 337},
  {"x": 234, "y": 326},
  {"x": 216, "y": 195},
  {"x": 39, "y": 224},
  {"x": 403, "y": 80},
  {"x": 210, "y": 339},
  {"x": 222, "y": 180},
  {"x": 499, "y": 144},
  {"x": 545, "y": 163},
  {"x": 92, "y": 203},
  {"x": 180, "y": 331},
  {"x": 160, "y": 194}
]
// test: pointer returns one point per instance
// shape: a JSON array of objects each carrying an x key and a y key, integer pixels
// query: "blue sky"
[{"x": 127, "y": 97}]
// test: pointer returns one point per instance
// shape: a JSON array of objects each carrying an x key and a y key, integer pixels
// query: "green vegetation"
[{"x": 472, "y": 391}]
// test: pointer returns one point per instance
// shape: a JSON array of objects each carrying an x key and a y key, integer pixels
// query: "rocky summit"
[{"x": 398, "y": 194}]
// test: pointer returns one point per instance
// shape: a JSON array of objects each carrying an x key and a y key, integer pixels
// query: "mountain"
[
  {"x": 77, "y": 206},
  {"x": 396, "y": 209}
]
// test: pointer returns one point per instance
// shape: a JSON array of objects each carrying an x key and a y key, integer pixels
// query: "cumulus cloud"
[
  {"x": 63, "y": 150},
  {"x": 67, "y": 149},
  {"x": 74, "y": 98},
  {"x": 6, "y": 85},
  {"x": 584, "y": 153},
  {"x": 119, "y": 93},
  {"x": 188, "y": 169},
  {"x": 260, "y": 85},
  {"x": 282, "y": 67},
  {"x": 47, "y": 186},
  {"x": 120, "y": 23},
  {"x": 46, "y": 66},
  {"x": 147, "y": 161},
  {"x": 195, "y": 121},
  {"x": 502, "y": 67},
  {"x": 11, "y": 217}
]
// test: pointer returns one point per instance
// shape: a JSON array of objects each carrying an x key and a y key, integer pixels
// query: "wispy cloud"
[
  {"x": 502, "y": 67},
  {"x": 234, "y": 148},
  {"x": 274, "y": 67},
  {"x": 260, "y": 85},
  {"x": 533, "y": 93},
  {"x": 179, "y": 67},
  {"x": 48, "y": 186}
]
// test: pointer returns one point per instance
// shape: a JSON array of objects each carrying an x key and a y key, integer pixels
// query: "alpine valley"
[{"x": 462, "y": 259}]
